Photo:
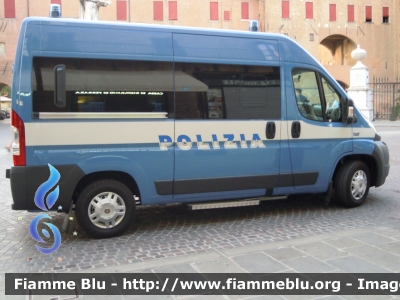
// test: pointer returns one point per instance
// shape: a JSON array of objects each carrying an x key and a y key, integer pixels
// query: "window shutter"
[
  {"x": 309, "y": 10},
  {"x": 245, "y": 10},
  {"x": 368, "y": 12},
  {"x": 332, "y": 12},
  {"x": 227, "y": 15},
  {"x": 173, "y": 10},
  {"x": 121, "y": 11},
  {"x": 9, "y": 9},
  {"x": 213, "y": 11},
  {"x": 158, "y": 10},
  {"x": 285, "y": 9},
  {"x": 385, "y": 12},
  {"x": 350, "y": 13}
]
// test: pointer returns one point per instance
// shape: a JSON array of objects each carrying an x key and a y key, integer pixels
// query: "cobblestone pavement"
[{"x": 172, "y": 232}]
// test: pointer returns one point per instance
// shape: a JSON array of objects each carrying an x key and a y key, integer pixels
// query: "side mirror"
[
  {"x": 348, "y": 111},
  {"x": 60, "y": 86}
]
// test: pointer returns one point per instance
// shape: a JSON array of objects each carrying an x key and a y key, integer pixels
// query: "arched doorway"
[
  {"x": 335, "y": 55},
  {"x": 335, "y": 50}
]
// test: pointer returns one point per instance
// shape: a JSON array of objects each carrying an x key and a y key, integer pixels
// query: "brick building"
[{"x": 328, "y": 29}]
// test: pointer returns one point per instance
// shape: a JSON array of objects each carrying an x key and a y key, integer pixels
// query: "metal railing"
[{"x": 384, "y": 95}]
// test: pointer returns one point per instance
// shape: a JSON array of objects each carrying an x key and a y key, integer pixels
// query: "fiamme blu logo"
[{"x": 45, "y": 197}]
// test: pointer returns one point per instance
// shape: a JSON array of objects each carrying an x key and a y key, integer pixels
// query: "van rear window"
[{"x": 95, "y": 85}]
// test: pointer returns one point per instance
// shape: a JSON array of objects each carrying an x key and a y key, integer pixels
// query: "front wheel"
[
  {"x": 105, "y": 208},
  {"x": 352, "y": 183}
]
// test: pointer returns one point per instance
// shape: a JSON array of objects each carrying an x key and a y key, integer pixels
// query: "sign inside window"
[{"x": 117, "y": 93}]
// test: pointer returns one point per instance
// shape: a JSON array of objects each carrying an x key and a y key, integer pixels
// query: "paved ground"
[{"x": 294, "y": 235}]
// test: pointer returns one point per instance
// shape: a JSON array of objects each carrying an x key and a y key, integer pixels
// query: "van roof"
[
  {"x": 57, "y": 36},
  {"x": 167, "y": 28}
]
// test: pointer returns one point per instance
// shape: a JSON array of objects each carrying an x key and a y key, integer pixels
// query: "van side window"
[
  {"x": 333, "y": 103},
  {"x": 217, "y": 91},
  {"x": 307, "y": 94},
  {"x": 190, "y": 93},
  {"x": 101, "y": 85},
  {"x": 309, "y": 87}
]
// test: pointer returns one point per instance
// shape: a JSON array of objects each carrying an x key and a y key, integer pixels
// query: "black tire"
[
  {"x": 352, "y": 183},
  {"x": 106, "y": 220}
]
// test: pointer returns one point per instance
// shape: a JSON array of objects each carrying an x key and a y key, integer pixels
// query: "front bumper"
[{"x": 381, "y": 157}]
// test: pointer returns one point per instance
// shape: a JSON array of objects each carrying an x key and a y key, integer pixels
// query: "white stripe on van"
[
  {"x": 363, "y": 132},
  {"x": 141, "y": 132},
  {"x": 313, "y": 132},
  {"x": 96, "y": 133}
]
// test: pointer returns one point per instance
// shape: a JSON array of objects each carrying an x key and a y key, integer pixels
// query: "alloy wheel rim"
[
  {"x": 359, "y": 184},
  {"x": 106, "y": 210}
]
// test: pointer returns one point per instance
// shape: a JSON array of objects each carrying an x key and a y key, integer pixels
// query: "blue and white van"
[{"x": 134, "y": 114}]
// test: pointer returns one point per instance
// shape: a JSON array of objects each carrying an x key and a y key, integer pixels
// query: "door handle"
[
  {"x": 270, "y": 130},
  {"x": 296, "y": 129}
]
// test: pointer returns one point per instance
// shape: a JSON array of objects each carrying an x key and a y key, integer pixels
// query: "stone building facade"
[{"x": 328, "y": 29}]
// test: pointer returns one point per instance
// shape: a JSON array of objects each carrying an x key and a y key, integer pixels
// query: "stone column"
[{"x": 359, "y": 89}]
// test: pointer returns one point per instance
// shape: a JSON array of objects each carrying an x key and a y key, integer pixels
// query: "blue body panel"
[
  {"x": 99, "y": 43},
  {"x": 249, "y": 50},
  {"x": 144, "y": 162}
]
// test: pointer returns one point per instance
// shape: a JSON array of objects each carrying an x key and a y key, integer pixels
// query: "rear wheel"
[
  {"x": 105, "y": 208},
  {"x": 352, "y": 183}
]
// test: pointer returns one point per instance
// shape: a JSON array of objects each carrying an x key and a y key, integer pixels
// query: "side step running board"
[{"x": 237, "y": 203}]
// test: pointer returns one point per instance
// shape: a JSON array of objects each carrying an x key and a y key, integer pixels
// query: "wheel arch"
[
  {"x": 367, "y": 159},
  {"x": 122, "y": 177}
]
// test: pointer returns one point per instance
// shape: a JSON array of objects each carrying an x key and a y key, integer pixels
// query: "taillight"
[{"x": 19, "y": 151}]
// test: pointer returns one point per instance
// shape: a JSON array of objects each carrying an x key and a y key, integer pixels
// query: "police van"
[{"x": 134, "y": 114}]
